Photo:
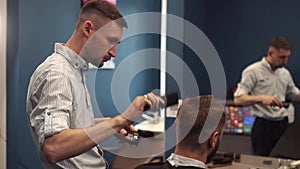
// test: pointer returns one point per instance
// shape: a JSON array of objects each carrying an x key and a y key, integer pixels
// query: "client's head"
[{"x": 189, "y": 124}]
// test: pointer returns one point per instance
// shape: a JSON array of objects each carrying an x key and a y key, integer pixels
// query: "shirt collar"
[
  {"x": 266, "y": 63},
  {"x": 71, "y": 56},
  {"x": 268, "y": 66},
  {"x": 178, "y": 160}
]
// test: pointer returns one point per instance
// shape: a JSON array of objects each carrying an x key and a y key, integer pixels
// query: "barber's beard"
[
  {"x": 104, "y": 59},
  {"x": 101, "y": 62},
  {"x": 100, "y": 65},
  {"x": 213, "y": 152}
]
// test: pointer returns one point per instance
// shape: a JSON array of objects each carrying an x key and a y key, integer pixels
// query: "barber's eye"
[
  {"x": 112, "y": 41},
  {"x": 282, "y": 57}
]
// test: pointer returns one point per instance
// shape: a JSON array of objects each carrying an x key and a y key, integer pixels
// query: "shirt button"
[
  {"x": 76, "y": 64},
  {"x": 49, "y": 113}
]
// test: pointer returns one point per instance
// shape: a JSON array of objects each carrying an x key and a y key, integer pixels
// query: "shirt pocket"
[{"x": 264, "y": 84}]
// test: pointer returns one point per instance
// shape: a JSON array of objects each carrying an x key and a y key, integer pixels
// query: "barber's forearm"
[
  {"x": 72, "y": 142},
  {"x": 68, "y": 143},
  {"x": 102, "y": 131},
  {"x": 247, "y": 100},
  {"x": 99, "y": 120}
]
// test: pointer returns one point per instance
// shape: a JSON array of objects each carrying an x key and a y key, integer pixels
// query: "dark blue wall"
[{"x": 241, "y": 30}]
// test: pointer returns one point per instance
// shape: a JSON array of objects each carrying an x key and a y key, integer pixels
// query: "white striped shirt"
[
  {"x": 260, "y": 79},
  {"x": 58, "y": 99}
]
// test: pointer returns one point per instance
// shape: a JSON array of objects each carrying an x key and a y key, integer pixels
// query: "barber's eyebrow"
[{"x": 114, "y": 40}]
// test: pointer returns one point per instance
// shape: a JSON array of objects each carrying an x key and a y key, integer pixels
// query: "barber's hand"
[
  {"x": 128, "y": 130},
  {"x": 271, "y": 101},
  {"x": 124, "y": 132},
  {"x": 137, "y": 107},
  {"x": 156, "y": 101}
]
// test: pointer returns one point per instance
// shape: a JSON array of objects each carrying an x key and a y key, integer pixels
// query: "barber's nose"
[{"x": 113, "y": 51}]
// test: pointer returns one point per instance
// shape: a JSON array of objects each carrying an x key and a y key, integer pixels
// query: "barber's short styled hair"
[
  {"x": 103, "y": 9},
  {"x": 280, "y": 43},
  {"x": 192, "y": 116}
]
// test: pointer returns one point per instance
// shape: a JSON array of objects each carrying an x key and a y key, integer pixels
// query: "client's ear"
[{"x": 213, "y": 139}]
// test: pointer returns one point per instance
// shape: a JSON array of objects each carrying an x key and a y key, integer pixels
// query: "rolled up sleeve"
[
  {"x": 247, "y": 83},
  {"x": 292, "y": 90},
  {"x": 51, "y": 115}
]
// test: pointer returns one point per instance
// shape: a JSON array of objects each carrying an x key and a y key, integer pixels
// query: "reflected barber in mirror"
[
  {"x": 59, "y": 109},
  {"x": 268, "y": 87},
  {"x": 190, "y": 152}
]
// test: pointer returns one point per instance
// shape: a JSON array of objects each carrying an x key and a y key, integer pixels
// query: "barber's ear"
[
  {"x": 213, "y": 139},
  {"x": 270, "y": 51},
  {"x": 87, "y": 28}
]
